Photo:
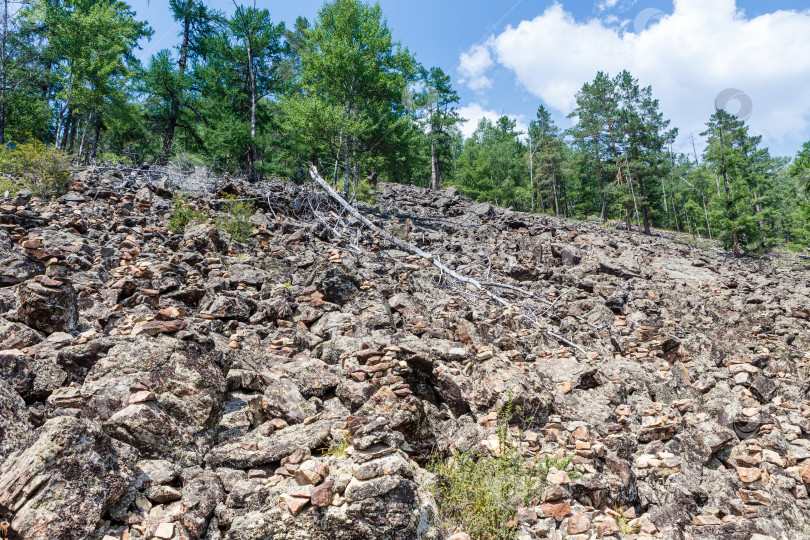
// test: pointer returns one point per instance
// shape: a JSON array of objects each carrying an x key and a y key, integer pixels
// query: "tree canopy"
[{"x": 243, "y": 93}]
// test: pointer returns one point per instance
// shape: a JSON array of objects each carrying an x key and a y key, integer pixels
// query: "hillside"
[{"x": 305, "y": 383}]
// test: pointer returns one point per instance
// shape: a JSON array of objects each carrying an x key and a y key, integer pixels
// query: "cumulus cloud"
[
  {"x": 688, "y": 56},
  {"x": 475, "y": 112},
  {"x": 473, "y": 65}
]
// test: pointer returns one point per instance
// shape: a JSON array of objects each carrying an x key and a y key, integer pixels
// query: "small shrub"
[
  {"x": 113, "y": 158},
  {"x": 337, "y": 448},
  {"x": 183, "y": 214},
  {"x": 624, "y": 523},
  {"x": 237, "y": 223},
  {"x": 481, "y": 495},
  {"x": 33, "y": 166}
]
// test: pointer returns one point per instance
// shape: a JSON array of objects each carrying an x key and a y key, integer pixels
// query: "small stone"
[
  {"x": 581, "y": 434},
  {"x": 556, "y": 509},
  {"x": 163, "y": 494},
  {"x": 804, "y": 472},
  {"x": 460, "y": 536},
  {"x": 526, "y": 516},
  {"x": 755, "y": 497},
  {"x": 322, "y": 495},
  {"x": 749, "y": 475},
  {"x": 60, "y": 339},
  {"x": 558, "y": 477},
  {"x": 153, "y": 328},
  {"x": 142, "y": 396},
  {"x": 699, "y": 521},
  {"x": 578, "y": 523},
  {"x": 295, "y": 504},
  {"x": 169, "y": 314},
  {"x": 165, "y": 531},
  {"x": 606, "y": 528},
  {"x": 296, "y": 457},
  {"x": 457, "y": 353},
  {"x": 306, "y": 477},
  {"x": 296, "y": 237}
]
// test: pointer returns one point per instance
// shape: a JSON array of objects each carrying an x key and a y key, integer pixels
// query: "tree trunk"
[
  {"x": 174, "y": 109},
  {"x": 706, "y": 211},
  {"x": 675, "y": 213},
  {"x": 554, "y": 193},
  {"x": 434, "y": 165},
  {"x": 3, "y": 75},
  {"x": 729, "y": 204},
  {"x": 346, "y": 166},
  {"x": 96, "y": 136},
  {"x": 602, "y": 195},
  {"x": 66, "y": 130},
  {"x": 252, "y": 82},
  {"x": 74, "y": 128}
]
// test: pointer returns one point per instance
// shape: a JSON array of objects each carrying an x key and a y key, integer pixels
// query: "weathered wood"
[{"x": 415, "y": 250}]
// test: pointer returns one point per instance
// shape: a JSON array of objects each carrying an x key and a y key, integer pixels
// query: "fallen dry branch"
[{"x": 414, "y": 250}]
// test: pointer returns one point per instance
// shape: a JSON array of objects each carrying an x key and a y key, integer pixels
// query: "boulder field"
[{"x": 181, "y": 385}]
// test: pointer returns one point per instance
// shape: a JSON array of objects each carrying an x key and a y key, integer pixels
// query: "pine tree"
[
  {"x": 352, "y": 78},
  {"x": 547, "y": 156},
  {"x": 435, "y": 106}
]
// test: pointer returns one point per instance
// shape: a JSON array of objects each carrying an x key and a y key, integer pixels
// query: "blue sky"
[{"x": 509, "y": 57}]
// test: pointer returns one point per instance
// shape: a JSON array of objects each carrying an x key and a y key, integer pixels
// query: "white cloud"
[
  {"x": 688, "y": 56},
  {"x": 475, "y": 112},
  {"x": 473, "y": 66},
  {"x": 607, "y": 4}
]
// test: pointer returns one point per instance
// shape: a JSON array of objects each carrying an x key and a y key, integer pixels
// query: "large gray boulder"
[{"x": 63, "y": 482}]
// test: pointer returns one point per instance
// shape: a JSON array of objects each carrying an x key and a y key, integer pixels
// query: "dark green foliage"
[
  {"x": 35, "y": 167},
  {"x": 236, "y": 220},
  {"x": 493, "y": 166},
  {"x": 242, "y": 94},
  {"x": 183, "y": 214}
]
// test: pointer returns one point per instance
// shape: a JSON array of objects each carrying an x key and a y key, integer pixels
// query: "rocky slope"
[{"x": 184, "y": 386}]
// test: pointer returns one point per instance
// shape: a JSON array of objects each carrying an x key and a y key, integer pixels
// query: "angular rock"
[
  {"x": 48, "y": 309},
  {"x": 60, "y": 485}
]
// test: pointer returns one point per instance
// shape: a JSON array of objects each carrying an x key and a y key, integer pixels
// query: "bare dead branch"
[{"x": 414, "y": 250}]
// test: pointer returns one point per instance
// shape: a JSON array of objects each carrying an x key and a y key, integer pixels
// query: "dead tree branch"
[{"x": 414, "y": 250}]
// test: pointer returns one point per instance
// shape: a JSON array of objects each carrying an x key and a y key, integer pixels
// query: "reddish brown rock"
[
  {"x": 749, "y": 475},
  {"x": 578, "y": 523},
  {"x": 556, "y": 509},
  {"x": 153, "y": 328},
  {"x": 322, "y": 495}
]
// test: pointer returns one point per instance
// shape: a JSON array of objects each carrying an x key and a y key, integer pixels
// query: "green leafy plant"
[
  {"x": 482, "y": 494},
  {"x": 183, "y": 214},
  {"x": 236, "y": 222},
  {"x": 112, "y": 157},
  {"x": 33, "y": 166}
]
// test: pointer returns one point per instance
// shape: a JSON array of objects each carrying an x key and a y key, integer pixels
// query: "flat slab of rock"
[{"x": 253, "y": 450}]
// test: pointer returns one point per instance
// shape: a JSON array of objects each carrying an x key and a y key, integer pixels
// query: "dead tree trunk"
[{"x": 410, "y": 248}]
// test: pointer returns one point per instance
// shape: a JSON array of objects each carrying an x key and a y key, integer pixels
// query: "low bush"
[
  {"x": 236, "y": 223},
  {"x": 36, "y": 167},
  {"x": 183, "y": 214},
  {"x": 482, "y": 494}
]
